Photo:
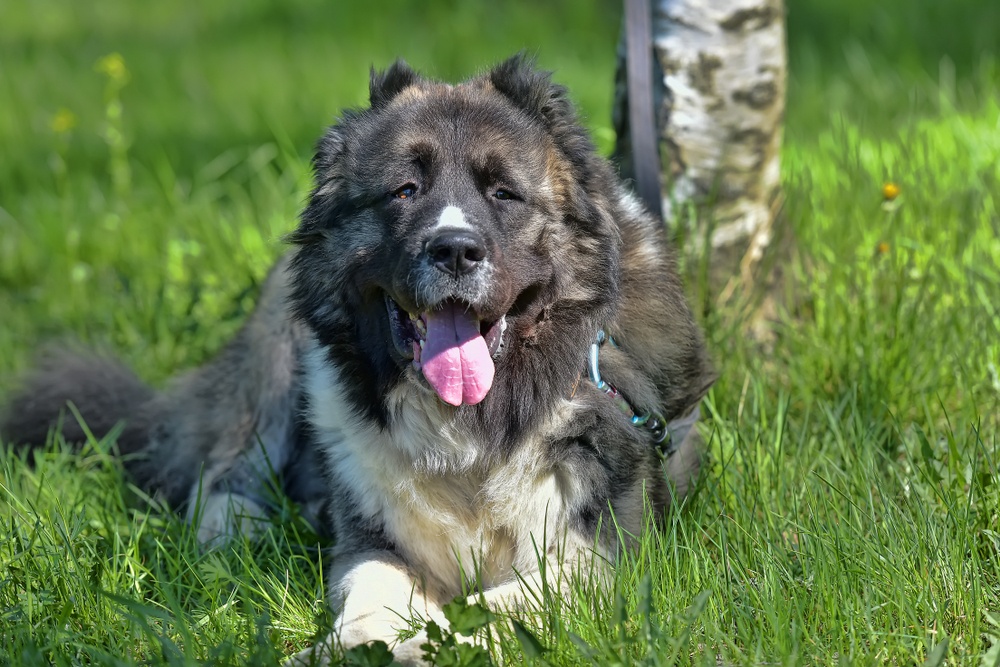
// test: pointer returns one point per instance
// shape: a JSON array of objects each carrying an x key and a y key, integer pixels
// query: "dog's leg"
[
  {"x": 374, "y": 595},
  {"x": 221, "y": 516},
  {"x": 527, "y": 590},
  {"x": 234, "y": 497}
]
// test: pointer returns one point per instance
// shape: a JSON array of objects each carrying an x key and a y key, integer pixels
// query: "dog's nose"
[{"x": 457, "y": 252}]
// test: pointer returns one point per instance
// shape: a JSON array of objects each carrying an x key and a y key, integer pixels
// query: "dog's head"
[{"x": 459, "y": 238}]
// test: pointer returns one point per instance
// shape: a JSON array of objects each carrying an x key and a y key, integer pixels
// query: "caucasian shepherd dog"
[{"x": 477, "y": 353}]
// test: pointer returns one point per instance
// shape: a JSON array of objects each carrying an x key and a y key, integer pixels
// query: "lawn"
[{"x": 155, "y": 153}]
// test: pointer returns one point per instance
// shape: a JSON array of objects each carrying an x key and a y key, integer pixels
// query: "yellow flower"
[
  {"x": 882, "y": 248},
  {"x": 113, "y": 67},
  {"x": 890, "y": 191},
  {"x": 63, "y": 121}
]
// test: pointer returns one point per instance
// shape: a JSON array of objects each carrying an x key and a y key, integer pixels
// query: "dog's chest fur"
[{"x": 427, "y": 485}]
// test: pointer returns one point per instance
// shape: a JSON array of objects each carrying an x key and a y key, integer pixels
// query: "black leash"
[
  {"x": 641, "y": 119},
  {"x": 666, "y": 436}
]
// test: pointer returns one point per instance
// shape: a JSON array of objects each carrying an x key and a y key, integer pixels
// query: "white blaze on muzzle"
[{"x": 452, "y": 217}]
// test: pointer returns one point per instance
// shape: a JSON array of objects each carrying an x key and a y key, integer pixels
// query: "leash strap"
[
  {"x": 646, "y": 169},
  {"x": 641, "y": 123}
]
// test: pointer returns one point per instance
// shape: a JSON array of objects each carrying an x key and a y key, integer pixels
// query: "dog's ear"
[
  {"x": 328, "y": 177},
  {"x": 532, "y": 89},
  {"x": 328, "y": 151},
  {"x": 385, "y": 85}
]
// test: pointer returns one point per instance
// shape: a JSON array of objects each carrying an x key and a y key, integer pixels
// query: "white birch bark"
[{"x": 721, "y": 104}]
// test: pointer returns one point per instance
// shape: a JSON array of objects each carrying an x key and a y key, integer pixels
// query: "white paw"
[
  {"x": 223, "y": 516},
  {"x": 318, "y": 655}
]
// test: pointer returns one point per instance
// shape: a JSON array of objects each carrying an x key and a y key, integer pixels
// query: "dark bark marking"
[
  {"x": 675, "y": 165},
  {"x": 670, "y": 65},
  {"x": 703, "y": 73},
  {"x": 678, "y": 19},
  {"x": 760, "y": 96},
  {"x": 740, "y": 19}
]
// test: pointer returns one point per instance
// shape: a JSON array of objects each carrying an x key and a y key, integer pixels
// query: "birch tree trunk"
[{"x": 721, "y": 97}]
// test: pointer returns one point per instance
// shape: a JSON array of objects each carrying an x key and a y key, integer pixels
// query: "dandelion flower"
[
  {"x": 113, "y": 67},
  {"x": 63, "y": 121},
  {"x": 890, "y": 191}
]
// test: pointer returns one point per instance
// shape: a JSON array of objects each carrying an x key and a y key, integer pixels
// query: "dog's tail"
[{"x": 104, "y": 391}]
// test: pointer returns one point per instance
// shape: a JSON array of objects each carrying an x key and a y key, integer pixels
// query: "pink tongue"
[{"x": 455, "y": 359}]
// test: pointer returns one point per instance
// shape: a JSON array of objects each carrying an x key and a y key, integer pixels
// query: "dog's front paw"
[
  {"x": 220, "y": 517},
  {"x": 409, "y": 652},
  {"x": 318, "y": 655}
]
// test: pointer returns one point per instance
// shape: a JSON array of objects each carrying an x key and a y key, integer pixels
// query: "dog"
[{"x": 477, "y": 351}]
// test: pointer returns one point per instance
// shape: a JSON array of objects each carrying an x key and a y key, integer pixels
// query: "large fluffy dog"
[{"x": 473, "y": 356}]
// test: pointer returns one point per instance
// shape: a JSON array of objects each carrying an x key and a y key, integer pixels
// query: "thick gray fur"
[{"x": 317, "y": 391}]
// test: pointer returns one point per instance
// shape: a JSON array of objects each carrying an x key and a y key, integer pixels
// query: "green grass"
[{"x": 850, "y": 512}]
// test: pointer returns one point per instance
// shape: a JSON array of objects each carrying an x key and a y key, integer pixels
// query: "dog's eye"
[
  {"x": 405, "y": 192},
  {"x": 504, "y": 195}
]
